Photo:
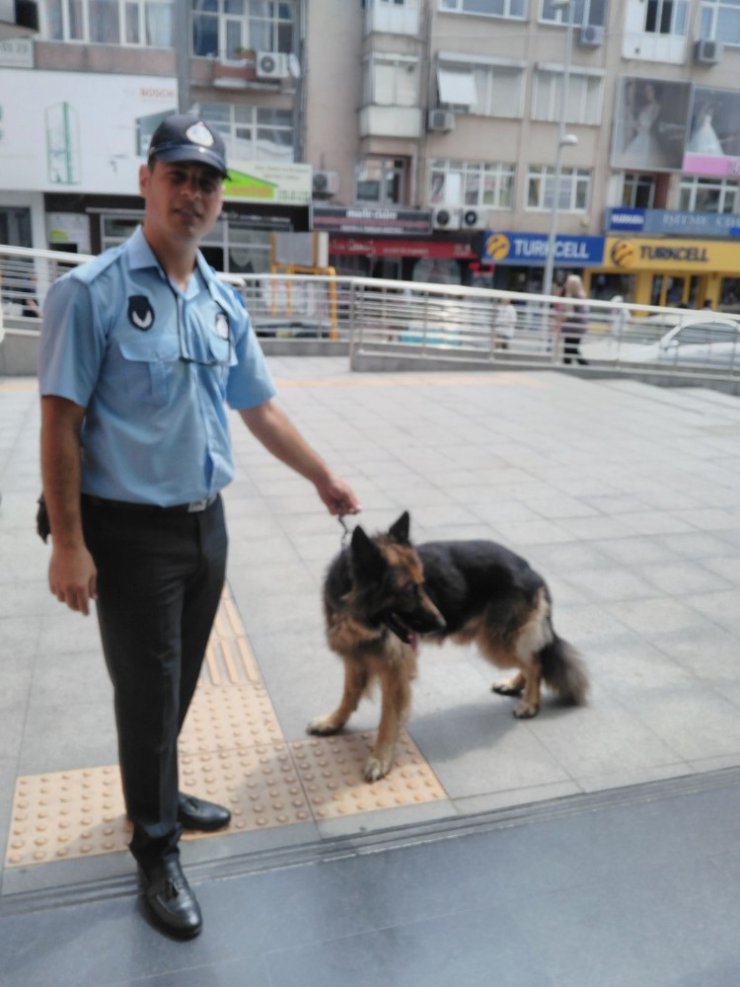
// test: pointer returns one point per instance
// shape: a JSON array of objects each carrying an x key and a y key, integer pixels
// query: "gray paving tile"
[
  {"x": 434, "y": 952},
  {"x": 678, "y": 578},
  {"x": 656, "y": 616},
  {"x": 695, "y": 544},
  {"x": 695, "y": 724},
  {"x": 61, "y": 737},
  {"x": 602, "y": 736},
  {"x": 728, "y": 568},
  {"x": 614, "y": 583}
]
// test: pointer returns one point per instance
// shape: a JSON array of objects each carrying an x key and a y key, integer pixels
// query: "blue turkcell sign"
[{"x": 530, "y": 249}]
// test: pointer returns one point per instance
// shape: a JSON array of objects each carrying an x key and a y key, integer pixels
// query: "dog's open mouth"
[{"x": 394, "y": 623}]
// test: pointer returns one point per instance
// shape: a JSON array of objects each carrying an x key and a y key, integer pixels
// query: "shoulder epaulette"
[{"x": 94, "y": 268}]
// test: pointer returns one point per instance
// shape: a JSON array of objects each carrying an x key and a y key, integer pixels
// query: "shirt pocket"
[{"x": 153, "y": 358}]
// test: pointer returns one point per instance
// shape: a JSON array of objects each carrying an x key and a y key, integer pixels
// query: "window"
[
  {"x": 586, "y": 13},
  {"x": 225, "y": 28},
  {"x": 492, "y": 88},
  {"x": 720, "y": 20},
  {"x": 141, "y": 23},
  {"x": 392, "y": 80},
  {"x": 584, "y": 97},
  {"x": 252, "y": 133},
  {"x": 638, "y": 191},
  {"x": 708, "y": 195},
  {"x": 489, "y": 8},
  {"x": 471, "y": 183},
  {"x": 381, "y": 181},
  {"x": 575, "y": 186},
  {"x": 666, "y": 17}
]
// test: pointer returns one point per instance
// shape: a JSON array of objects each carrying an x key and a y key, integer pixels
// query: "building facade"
[{"x": 421, "y": 135}]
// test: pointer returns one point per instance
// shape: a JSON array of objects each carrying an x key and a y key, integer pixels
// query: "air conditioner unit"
[
  {"x": 472, "y": 218},
  {"x": 272, "y": 65},
  {"x": 592, "y": 36},
  {"x": 708, "y": 52},
  {"x": 325, "y": 183},
  {"x": 441, "y": 121},
  {"x": 446, "y": 218}
]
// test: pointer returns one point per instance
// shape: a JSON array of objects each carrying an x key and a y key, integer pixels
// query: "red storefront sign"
[{"x": 345, "y": 246}]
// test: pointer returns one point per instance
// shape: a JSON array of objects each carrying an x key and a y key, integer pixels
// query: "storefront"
[
  {"x": 438, "y": 262},
  {"x": 520, "y": 258},
  {"x": 676, "y": 272},
  {"x": 398, "y": 244}
]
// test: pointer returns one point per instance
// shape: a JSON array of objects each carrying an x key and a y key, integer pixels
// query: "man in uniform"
[{"x": 141, "y": 351}]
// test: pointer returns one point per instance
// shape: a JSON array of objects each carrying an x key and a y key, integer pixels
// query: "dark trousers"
[
  {"x": 571, "y": 348},
  {"x": 160, "y": 579}
]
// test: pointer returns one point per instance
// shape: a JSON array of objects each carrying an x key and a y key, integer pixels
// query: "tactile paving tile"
[
  {"x": 224, "y": 719},
  {"x": 229, "y": 659},
  {"x": 67, "y": 814},
  {"x": 231, "y": 751},
  {"x": 81, "y": 813},
  {"x": 331, "y": 771},
  {"x": 260, "y": 786}
]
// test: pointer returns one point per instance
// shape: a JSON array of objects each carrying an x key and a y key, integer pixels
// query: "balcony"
[
  {"x": 391, "y": 121},
  {"x": 387, "y": 17}
]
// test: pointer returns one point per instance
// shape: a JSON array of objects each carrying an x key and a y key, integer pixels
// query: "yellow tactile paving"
[
  {"x": 331, "y": 771},
  {"x": 224, "y": 719},
  {"x": 231, "y": 751}
]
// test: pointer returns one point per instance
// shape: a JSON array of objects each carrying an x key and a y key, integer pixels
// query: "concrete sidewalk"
[{"x": 622, "y": 494}]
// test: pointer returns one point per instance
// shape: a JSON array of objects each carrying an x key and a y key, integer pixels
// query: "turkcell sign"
[{"x": 530, "y": 249}]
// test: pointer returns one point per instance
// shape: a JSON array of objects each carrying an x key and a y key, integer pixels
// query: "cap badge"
[{"x": 198, "y": 133}]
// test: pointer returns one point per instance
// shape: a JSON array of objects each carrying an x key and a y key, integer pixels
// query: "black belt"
[{"x": 194, "y": 507}]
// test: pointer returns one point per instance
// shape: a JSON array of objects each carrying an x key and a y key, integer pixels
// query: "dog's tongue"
[{"x": 414, "y": 641}]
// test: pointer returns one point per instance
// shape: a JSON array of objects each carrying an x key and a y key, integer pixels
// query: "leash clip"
[{"x": 345, "y": 530}]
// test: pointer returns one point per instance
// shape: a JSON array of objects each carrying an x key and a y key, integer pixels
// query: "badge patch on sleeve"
[{"x": 140, "y": 312}]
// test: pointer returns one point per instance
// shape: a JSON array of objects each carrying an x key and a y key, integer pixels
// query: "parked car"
[{"x": 696, "y": 339}]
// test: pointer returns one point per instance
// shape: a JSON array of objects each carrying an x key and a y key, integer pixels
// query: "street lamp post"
[{"x": 564, "y": 140}]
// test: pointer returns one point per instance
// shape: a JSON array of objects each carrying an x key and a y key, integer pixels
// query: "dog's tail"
[{"x": 564, "y": 671}]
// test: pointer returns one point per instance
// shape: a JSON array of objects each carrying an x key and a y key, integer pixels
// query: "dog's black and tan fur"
[{"x": 382, "y": 593}]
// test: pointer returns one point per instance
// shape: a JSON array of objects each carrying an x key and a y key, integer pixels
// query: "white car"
[{"x": 699, "y": 339}]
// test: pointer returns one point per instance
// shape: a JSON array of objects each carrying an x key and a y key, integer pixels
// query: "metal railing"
[{"x": 401, "y": 325}]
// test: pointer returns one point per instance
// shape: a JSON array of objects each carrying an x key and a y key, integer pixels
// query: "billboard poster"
[
  {"x": 56, "y": 138},
  {"x": 650, "y": 124},
  {"x": 713, "y": 143}
]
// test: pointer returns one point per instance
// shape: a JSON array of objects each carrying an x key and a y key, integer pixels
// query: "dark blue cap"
[{"x": 185, "y": 137}]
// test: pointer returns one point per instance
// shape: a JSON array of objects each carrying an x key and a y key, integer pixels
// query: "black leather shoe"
[
  {"x": 195, "y": 813},
  {"x": 171, "y": 902}
]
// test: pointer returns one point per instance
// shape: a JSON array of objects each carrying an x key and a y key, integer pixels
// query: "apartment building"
[{"x": 422, "y": 136}]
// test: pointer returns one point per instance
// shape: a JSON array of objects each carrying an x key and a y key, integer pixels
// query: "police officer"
[{"x": 142, "y": 349}]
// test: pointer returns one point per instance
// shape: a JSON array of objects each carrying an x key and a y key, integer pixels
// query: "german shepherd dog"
[{"x": 382, "y": 593}]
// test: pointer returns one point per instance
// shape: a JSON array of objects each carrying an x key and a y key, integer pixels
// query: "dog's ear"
[
  {"x": 367, "y": 559},
  {"x": 399, "y": 531}
]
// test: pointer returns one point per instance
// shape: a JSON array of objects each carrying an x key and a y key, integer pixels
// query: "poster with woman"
[
  {"x": 650, "y": 124},
  {"x": 713, "y": 136}
]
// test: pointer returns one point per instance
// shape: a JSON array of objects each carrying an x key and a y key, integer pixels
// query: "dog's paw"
[
  {"x": 507, "y": 687},
  {"x": 525, "y": 710},
  {"x": 376, "y": 768},
  {"x": 323, "y": 726}
]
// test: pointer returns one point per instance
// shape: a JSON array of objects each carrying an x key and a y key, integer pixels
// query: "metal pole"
[
  {"x": 552, "y": 235},
  {"x": 181, "y": 37}
]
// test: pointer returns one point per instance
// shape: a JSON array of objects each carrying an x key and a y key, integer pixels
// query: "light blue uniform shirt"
[{"x": 154, "y": 367}]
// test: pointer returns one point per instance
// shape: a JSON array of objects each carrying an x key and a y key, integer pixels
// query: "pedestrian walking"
[
  {"x": 142, "y": 350},
  {"x": 573, "y": 319}
]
